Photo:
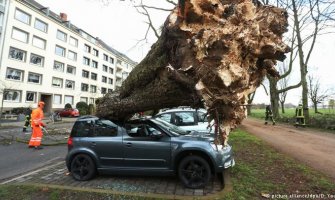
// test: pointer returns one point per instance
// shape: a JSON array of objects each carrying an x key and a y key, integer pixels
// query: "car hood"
[{"x": 192, "y": 137}]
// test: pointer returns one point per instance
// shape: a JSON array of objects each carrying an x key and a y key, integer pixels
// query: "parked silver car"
[
  {"x": 143, "y": 147},
  {"x": 188, "y": 119}
]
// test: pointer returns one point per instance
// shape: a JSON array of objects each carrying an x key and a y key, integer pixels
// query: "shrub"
[
  {"x": 68, "y": 106},
  {"x": 19, "y": 110},
  {"x": 83, "y": 108}
]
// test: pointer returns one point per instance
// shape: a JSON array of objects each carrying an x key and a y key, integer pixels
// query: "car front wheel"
[
  {"x": 82, "y": 167},
  {"x": 194, "y": 172}
]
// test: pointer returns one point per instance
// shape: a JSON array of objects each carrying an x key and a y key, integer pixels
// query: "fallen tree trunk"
[{"x": 211, "y": 53}]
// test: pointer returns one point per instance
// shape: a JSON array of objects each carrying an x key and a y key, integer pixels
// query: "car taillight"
[{"x": 70, "y": 143}]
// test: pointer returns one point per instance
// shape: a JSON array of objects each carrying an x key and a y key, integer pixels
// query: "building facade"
[{"x": 45, "y": 57}]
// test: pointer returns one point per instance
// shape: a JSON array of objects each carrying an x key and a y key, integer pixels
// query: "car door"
[
  {"x": 187, "y": 120},
  {"x": 203, "y": 122},
  {"x": 142, "y": 151},
  {"x": 107, "y": 143}
]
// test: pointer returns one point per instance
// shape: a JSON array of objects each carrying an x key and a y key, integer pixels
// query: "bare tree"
[
  {"x": 308, "y": 19},
  {"x": 331, "y": 104},
  {"x": 4, "y": 91},
  {"x": 311, "y": 18},
  {"x": 316, "y": 94},
  {"x": 283, "y": 83}
]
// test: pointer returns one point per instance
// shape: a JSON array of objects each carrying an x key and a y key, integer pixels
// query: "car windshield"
[{"x": 175, "y": 130}]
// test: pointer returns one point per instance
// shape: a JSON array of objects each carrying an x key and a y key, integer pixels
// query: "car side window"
[
  {"x": 202, "y": 117},
  {"x": 166, "y": 117},
  {"x": 140, "y": 130},
  {"x": 105, "y": 128},
  {"x": 184, "y": 118},
  {"x": 82, "y": 129}
]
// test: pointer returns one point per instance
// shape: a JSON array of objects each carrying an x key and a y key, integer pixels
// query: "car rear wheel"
[
  {"x": 82, "y": 167},
  {"x": 194, "y": 172}
]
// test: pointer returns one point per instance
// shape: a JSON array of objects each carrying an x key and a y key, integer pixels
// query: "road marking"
[{"x": 30, "y": 173}]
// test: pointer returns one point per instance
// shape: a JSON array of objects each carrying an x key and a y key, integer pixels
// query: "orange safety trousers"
[{"x": 36, "y": 136}]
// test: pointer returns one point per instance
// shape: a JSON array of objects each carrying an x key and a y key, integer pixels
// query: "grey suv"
[{"x": 143, "y": 147}]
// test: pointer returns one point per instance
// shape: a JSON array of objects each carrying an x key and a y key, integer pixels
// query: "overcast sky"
[{"x": 120, "y": 26}]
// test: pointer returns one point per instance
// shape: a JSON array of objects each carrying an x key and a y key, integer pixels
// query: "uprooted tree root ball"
[{"x": 211, "y": 53}]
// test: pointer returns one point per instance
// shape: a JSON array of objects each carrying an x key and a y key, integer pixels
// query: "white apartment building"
[{"x": 45, "y": 57}]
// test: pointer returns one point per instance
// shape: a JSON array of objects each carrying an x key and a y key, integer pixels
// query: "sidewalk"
[
  {"x": 55, "y": 134},
  {"x": 56, "y": 175}
]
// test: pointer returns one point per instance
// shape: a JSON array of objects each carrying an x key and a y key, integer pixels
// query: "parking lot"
[{"x": 165, "y": 187}]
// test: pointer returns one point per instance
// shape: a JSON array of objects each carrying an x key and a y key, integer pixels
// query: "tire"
[
  {"x": 82, "y": 167},
  {"x": 194, "y": 172}
]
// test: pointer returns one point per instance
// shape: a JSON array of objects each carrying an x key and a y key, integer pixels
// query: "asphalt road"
[{"x": 16, "y": 158}]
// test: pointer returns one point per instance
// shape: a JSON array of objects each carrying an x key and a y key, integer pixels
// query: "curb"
[{"x": 44, "y": 144}]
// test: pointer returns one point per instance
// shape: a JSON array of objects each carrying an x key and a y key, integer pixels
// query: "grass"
[
  {"x": 325, "y": 121},
  {"x": 259, "y": 171}
]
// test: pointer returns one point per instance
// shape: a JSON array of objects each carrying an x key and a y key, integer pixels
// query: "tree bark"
[
  {"x": 211, "y": 53},
  {"x": 282, "y": 107},
  {"x": 274, "y": 97}
]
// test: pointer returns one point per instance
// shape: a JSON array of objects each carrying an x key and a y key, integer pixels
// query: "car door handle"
[
  {"x": 128, "y": 144},
  {"x": 93, "y": 144}
]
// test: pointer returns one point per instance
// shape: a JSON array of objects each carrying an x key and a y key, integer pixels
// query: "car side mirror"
[{"x": 156, "y": 134}]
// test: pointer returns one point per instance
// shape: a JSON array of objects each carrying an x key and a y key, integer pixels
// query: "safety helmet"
[{"x": 41, "y": 103}]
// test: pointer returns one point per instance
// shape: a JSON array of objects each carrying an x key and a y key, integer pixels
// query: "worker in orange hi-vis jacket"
[{"x": 36, "y": 122}]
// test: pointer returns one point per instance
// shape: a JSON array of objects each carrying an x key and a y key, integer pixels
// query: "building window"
[
  {"x": 83, "y": 99},
  {"x": 57, "y": 82},
  {"x": 85, "y": 74},
  {"x": 103, "y": 90},
  {"x": 104, "y": 68},
  {"x": 73, "y": 41},
  {"x": 20, "y": 35},
  {"x": 105, "y": 57},
  {"x": 110, "y": 81},
  {"x": 69, "y": 84},
  {"x": 91, "y": 100},
  {"x": 30, "y": 96},
  {"x": 118, "y": 62},
  {"x": 111, "y": 60},
  {"x": 36, "y": 60},
  {"x": 58, "y": 66},
  {"x": 57, "y": 99},
  {"x": 60, "y": 51},
  {"x": 86, "y": 61},
  {"x": 17, "y": 54},
  {"x": 96, "y": 52},
  {"x": 104, "y": 79},
  {"x": 14, "y": 74},
  {"x": 12, "y": 95},
  {"x": 111, "y": 70},
  {"x": 39, "y": 42},
  {"x": 84, "y": 87},
  {"x": 87, "y": 48},
  {"x": 94, "y": 64},
  {"x": 110, "y": 90},
  {"x": 72, "y": 55},
  {"x": 22, "y": 16},
  {"x": 61, "y": 35},
  {"x": 93, "y": 88},
  {"x": 34, "y": 78},
  {"x": 93, "y": 76},
  {"x": 40, "y": 25},
  {"x": 71, "y": 70},
  {"x": 68, "y": 99}
]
